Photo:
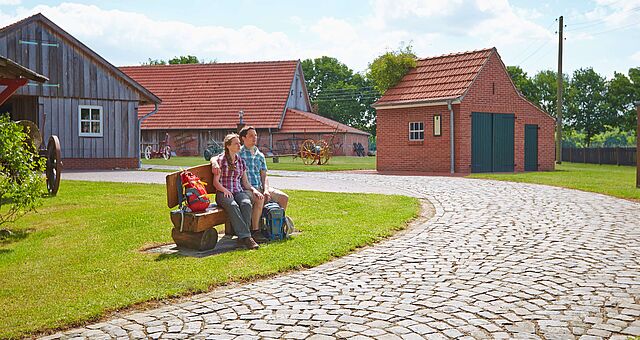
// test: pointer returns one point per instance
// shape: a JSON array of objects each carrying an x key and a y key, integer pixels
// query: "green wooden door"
[
  {"x": 481, "y": 141},
  {"x": 503, "y": 142},
  {"x": 530, "y": 147},
  {"x": 492, "y": 142}
]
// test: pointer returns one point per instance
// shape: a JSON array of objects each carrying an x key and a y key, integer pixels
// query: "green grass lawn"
[
  {"x": 618, "y": 181},
  {"x": 79, "y": 256},
  {"x": 336, "y": 163}
]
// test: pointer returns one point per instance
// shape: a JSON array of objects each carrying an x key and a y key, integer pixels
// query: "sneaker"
[
  {"x": 248, "y": 243},
  {"x": 259, "y": 237}
]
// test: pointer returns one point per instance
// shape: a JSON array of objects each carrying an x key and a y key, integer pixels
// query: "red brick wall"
[
  {"x": 638, "y": 148},
  {"x": 396, "y": 153},
  {"x": 99, "y": 163},
  {"x": 492, "y": 92}
]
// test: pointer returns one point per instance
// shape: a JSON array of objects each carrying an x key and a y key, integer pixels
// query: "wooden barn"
[
  {"x": 461, "y": 113},
  {"x": 88, "y": 103},
  {"x": 201, "y": 102}
]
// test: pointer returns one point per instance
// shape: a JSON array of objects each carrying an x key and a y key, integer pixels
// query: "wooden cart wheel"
[
  {"x": 147, "y": 152},
  {"x": 54, "y": 165},
  {"x": 166, "y": 152},
  {"x": 308, "y": 152},
  {"x": 325, "y": 152}
]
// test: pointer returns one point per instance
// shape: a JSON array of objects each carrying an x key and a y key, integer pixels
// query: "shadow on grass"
[
  {"x": 8, "y": 236},
  {"x": 165, "y": 257}
]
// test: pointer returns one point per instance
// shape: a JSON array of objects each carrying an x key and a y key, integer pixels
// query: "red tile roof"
[
  {"x": 437, "y": 78},
  {"x": 296, "y": 121},
  {"x": 209, "y": 96}
]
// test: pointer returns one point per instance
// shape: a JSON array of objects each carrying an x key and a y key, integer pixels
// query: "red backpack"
[{"x": 192, "y": 192}]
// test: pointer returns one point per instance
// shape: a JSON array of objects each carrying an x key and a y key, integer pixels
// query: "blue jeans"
[{"x": 238, "y": 208}]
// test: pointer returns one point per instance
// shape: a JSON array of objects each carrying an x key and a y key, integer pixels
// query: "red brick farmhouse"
[
  {"x": 495, "y": 129},
  {"x": 201, "y": 102}
]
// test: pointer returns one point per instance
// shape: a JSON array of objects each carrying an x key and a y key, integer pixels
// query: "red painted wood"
[{"x": 12, "y": 85}]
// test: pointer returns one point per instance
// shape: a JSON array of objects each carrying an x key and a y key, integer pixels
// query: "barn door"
[
  {"x": 492, "y": 142},
  {"x": 530, "y": 147}
]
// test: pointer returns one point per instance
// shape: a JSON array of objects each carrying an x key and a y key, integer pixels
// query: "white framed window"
[
  {"x": 416, "y": 131},
  {"x": 90, "y": 121}
]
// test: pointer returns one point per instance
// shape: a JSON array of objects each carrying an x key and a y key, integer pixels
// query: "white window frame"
[
  {"x": 80, "y": 120},
  {"x": 437, "y": 125},
  {"x": 416, "y": 130}
]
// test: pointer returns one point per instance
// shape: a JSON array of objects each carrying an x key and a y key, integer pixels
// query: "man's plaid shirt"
[
  {"x": 231, "y": 179},
  {"x": 255, "y": 163}
]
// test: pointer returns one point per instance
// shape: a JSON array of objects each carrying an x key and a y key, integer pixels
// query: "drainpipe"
[
  {"x": 453, "y": 151},
  {"x": 140, "y": 132}
]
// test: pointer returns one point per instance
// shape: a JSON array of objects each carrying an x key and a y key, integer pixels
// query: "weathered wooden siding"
[
  {"x": 71, "y": 71},
  {"x": 119, "y": 126},
  {"x": 297, "y": 95}
]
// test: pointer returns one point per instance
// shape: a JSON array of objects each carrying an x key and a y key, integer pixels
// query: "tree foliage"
[
  {"x": 588, "y": 110},
  {"x": 623, "y": 92},
  {"x": 21, "y": 182},
  {"x": 388, "y": 69},
  {"x": 184, "y": 59},
  {"x": 336, "y": 92}
]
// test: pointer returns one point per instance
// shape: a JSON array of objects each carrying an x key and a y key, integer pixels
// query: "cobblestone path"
[{"x": 498, "y": 260}]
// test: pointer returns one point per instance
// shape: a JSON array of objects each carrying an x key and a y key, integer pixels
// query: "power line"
[{"x": 526, "y": 50}]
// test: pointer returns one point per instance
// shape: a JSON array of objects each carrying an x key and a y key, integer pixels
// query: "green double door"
[
  {"x": 530, "y": 147},
  {"x": 492, "y": 142}
]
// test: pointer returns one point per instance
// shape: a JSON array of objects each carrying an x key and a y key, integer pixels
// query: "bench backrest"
[{"x": 203, "y": 171}]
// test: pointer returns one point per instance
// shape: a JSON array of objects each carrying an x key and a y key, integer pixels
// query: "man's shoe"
[
  {"x": 259, "y": 237},
  {"x": 248, "y": 243}
]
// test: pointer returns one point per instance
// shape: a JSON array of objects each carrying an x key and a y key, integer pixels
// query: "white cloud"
[
  {"x": 389, "y": 10},
  {"x": 10, "y": 2},
  {"x": 334, "y": 31},
  {"x": 635, "y": 57}
]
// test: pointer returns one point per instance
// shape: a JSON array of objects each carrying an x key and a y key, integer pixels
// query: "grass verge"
[
  {"x": 613, "y": 180},
  {"x": 78, "y": 257},
  {"x": 336, "y": 163}
]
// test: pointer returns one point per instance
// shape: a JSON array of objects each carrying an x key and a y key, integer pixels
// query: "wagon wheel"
[
  {"x": 54, "y": 165},
  {"x": 325, "y": 152},
  {"x": 147, "y": 152},
  {"x": 166, "y": 152},
  {"x": 308, "y": 152}
]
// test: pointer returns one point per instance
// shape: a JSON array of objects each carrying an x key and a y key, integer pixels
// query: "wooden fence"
[{"x": 617, "y": 155}]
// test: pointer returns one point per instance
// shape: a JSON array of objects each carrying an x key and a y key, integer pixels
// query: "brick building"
[
  {"x": 495, "y": 129},
  {"x": 201, "y": 102}
]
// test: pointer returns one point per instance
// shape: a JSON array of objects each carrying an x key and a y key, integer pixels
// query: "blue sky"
[{"x": 603, "y": 34}]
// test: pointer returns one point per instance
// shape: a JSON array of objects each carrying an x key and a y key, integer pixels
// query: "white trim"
[
  {"x": 90, "y": 107},
  {"x": 409, "y": 105},
  {"x": 417, "y": 131}
]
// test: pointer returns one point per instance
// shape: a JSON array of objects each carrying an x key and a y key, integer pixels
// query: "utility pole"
[{"x": 559, "y": 104}]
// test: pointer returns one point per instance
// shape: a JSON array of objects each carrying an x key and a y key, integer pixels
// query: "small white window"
[
  {"x": 416, "y": 131},
  {"x": 90, "y": 121}
]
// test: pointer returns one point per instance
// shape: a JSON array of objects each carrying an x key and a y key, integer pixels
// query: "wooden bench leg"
[
  {"x": 203, "y": 240},
  {"x": 228, "y": 229}
]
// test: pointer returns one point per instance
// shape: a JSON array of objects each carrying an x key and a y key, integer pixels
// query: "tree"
[
  {"x": 388, "y": 69},
  {"x": 523, "y": 83},
  {"x": 588, "y": 110},
  {"x": 336, "y": 92},
  {"x": 188, "y": 59},
  {"x": 623, "y": 92},
  {"x": 21, "y": 183},
  {"x": 154, "y": 62}
]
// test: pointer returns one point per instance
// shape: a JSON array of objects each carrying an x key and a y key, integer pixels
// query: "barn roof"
[
  {"x": 209, "y": 96},
  {"x": 435, "y": 79},
  {"x": 146, "y": 95},
  {"x": 297, "y": 121},
  {"x": 9, "y": 69}
]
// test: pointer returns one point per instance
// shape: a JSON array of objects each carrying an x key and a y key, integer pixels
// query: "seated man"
[{"x": 257, "y": 175}]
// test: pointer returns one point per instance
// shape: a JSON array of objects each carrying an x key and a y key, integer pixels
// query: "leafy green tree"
[
  {"x": 523, "y": 83},
  {"x": 388, "y": 69},
  {"x": 154, "y": 62},
  {"x": 21, "y": 182},
  {"x": 188, "y": 59},
  {"x": 336, "y": 92},
  {"x": 623, "y": 92},
  {"x": 588, "y": 109}
]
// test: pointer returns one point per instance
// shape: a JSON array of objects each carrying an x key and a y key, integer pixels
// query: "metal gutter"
[{"x": 155, "y": 110}]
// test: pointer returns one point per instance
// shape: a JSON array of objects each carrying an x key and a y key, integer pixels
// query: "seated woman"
[{"x": 230, "y": 183}]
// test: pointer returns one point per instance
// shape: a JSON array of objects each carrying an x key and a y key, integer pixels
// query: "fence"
[{"x": 618, "y": 155}]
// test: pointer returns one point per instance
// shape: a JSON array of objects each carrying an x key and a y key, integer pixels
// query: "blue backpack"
[{"x": 274, "y": 226}]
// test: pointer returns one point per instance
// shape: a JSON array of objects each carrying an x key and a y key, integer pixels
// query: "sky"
[{"x": 602, "y": 34}]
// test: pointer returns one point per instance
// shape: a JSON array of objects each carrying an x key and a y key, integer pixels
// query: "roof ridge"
[
  {"x": 455, "y": 54},
  {"x": 216, "y": 63}
]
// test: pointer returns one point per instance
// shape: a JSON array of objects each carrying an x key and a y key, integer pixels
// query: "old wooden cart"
[{"x": 13, "y": 76}]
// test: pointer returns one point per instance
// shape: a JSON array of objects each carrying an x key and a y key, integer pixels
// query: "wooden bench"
[{"x": 198, "y": 230}]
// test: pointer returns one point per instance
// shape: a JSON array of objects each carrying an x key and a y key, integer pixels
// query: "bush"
[
  {"x": 387, "y": 70},
  {"x": 22, "y": 184}
]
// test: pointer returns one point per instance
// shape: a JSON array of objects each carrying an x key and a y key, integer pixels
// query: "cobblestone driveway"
[{"x": 498, "y": 260}]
